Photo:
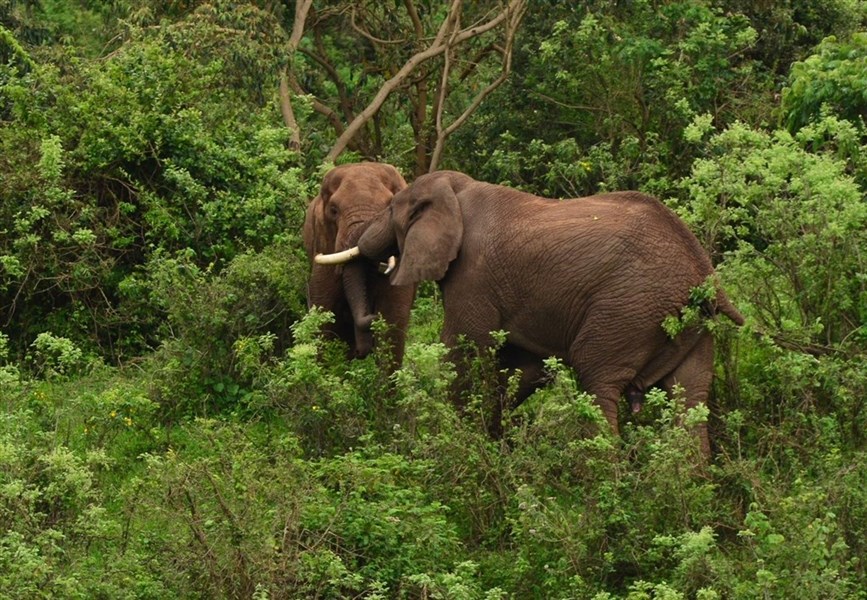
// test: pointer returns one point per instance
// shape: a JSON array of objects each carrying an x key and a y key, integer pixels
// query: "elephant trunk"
[
  {"x": 351, "y": 228},
  {"x": 355, "y": 288},
  {"x": 379, "y": 240},
  {"x": 355, "y": 277},
  {"x": 356, "y": 281}
]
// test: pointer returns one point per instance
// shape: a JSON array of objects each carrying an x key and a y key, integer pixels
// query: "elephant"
[
  {"x": 350, "y": 196},
  {"x": 588, "y": 280}
]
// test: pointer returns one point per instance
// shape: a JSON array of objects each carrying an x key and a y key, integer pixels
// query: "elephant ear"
[
  {"x": 434, "y": 230},
  {"x": 314, "y": 234}
]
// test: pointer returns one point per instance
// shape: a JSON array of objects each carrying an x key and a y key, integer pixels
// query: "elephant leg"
[
  {"x": 607, "y": 398},
  {"x": 625, "y": 361},
  {"x": 466, "y": 333},
  {"x": 463, "y": 355},
  {"x": 497, "y": 402},
  {"x": 510, "y": 359},
  {"x": 473, "y": 321},
  {"x": 355, "y": 288},
  {"x": 532, "y": 369},
  {"x": 607, "y": 383},
  {"x": 695, "y": 375}
]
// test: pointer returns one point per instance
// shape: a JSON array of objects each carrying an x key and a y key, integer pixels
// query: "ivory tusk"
[
  {"x": 392, "y": 262},
  {"x": 337, "y": 258},
  {"x": 387, "y": 267}
]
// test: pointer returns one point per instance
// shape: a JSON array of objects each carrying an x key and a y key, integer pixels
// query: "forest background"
[{"x": 171, "y": 424}]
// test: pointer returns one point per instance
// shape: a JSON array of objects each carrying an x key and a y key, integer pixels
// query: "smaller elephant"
[
  {"x": 589, "y": 280},
  {"x": 350, "y": 196}
]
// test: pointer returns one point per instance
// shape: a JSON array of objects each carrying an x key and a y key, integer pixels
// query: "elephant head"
[
  {"x": 424, "y": 225},
  {"x": 349, "y": 198}
]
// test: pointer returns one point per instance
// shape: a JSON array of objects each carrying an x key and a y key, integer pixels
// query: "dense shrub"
[
  {"x": 602, "y": 95},
  {"x": 215, "y": 322},
  {"x": 238, "y": 512},
  {"x": 791, "y": 224},
  {"x": 61, "y": 448},
  {"x": 831, "y": 79},
  {"x": 109, "y": 165},
  {"x": 334, "y": 480}
]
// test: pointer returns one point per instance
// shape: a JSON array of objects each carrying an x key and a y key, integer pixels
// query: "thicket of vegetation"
[{"x": 171, "y": 424}]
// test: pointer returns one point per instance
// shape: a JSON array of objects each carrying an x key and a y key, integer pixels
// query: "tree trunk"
[{"x": 301, "y": 9}]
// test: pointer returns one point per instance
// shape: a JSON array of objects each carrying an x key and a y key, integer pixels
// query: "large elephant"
[
  {"x": 589, "y": 280},
  {"x": 349, "y": 198}
]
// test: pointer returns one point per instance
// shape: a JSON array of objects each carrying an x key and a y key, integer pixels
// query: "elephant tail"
[{"x": 724, "y": 306}]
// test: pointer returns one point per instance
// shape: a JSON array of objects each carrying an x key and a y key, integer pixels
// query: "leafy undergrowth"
[{"x": 328, "y": 479}]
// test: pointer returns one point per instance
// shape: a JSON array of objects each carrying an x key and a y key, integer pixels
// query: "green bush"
[
  {"x": 831, "y": 79},
  {"x": 604, "y": 92},
  {"x": 59, "y": 538},
  {"x": 116, "y": 163},
  {"x": 337, "y": 481},
  {"x": 333, "y": 403},
  {"x": 215, "y": 321},
  {"x": 790, "y": 224},
  {"x": 234, "y": 514},
  {"x": 9, "y": 372}
]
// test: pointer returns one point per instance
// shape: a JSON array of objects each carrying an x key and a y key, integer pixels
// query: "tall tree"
[{"x": 425, "y": 64}]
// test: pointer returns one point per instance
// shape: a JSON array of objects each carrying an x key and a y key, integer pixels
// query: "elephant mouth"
[{"x": 344, "y": 256}]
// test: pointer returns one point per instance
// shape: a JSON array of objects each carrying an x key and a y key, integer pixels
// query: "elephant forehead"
[
  {"x": 362, "y": 171},
  {"x": 365, "y": 187}
]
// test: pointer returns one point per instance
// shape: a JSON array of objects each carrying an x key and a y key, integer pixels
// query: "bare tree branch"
[
  {"x": 413, "y": 16},
  {"x": 370, "y": 36},
  {"x": 473, "y": 64},
  {"x": 515, "y": 12},
  {"x": 437, "y": 47},
  {"x": 320, "y": 107},
  {"x": 333, "y": 75},
  {"x": 443, "y": 88}
]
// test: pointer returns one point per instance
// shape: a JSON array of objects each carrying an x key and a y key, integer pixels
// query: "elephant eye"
[{"x": 333, "y": 211}]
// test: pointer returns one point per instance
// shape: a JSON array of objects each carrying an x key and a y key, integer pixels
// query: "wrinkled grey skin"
[
  {"x": 349, "y": 198},
  {"x": 588, "y": 280}
]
